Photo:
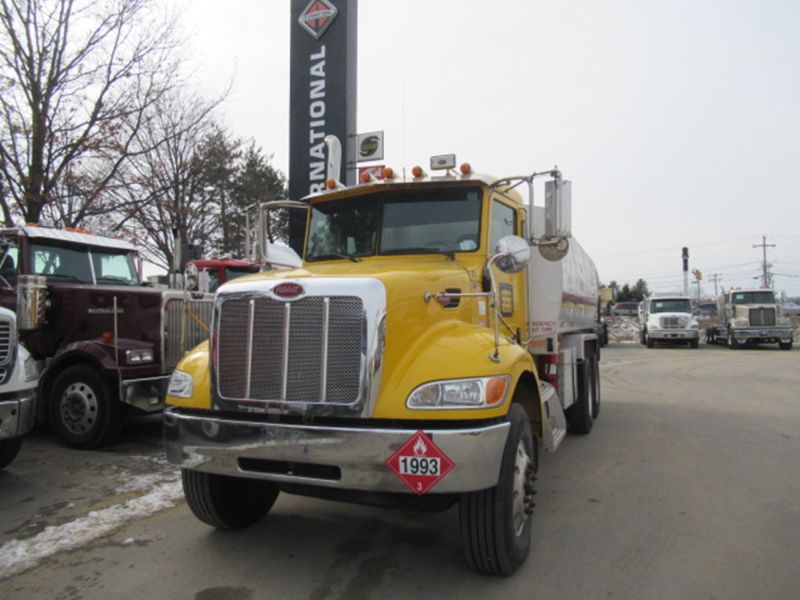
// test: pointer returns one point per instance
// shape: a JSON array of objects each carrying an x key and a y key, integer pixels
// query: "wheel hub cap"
[
  {"x": 78, "y": 408},
  {"x": 523, "y": 488}
]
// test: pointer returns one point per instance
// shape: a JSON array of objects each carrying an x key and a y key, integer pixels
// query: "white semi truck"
[
  {"x": 668, "y": 319},
  {"x": 19, "y": 376},
  {"x": 751, "y": 316}
]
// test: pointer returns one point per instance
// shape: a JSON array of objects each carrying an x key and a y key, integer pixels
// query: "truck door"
[{"x": 505, "y": 219}]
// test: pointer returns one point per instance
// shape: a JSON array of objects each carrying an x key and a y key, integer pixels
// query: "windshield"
[
  {"x": 677, "y": 305},
  {"x": 765, "y": 297},
  {"x": 418, "y": 222},
  {"x": 73, "y": 265}
]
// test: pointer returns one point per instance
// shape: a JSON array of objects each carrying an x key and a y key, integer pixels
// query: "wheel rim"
[
  {"x": 78, "y": 407},
  {"x": 523, "y": 487}
]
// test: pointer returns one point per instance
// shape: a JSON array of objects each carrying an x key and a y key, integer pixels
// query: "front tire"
[
  {"x": 694, "y": 344},
  {"x": 733, "y": 343},
  {"x": 227, "y": 502},
  {"x": 9, "y": 450},
  {"x": 82, "y": 411},
  {"x": 496, "y": 522},
  {"x": 785, "y": 345}
]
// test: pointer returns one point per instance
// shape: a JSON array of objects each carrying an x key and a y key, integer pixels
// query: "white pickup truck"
[
  {"x": 668, "y": 319},
  {"x": 19, "y": 376}
]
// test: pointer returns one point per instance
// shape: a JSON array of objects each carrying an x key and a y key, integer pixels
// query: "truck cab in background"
[
  {"x": 207, "y": 274},
  {"x": 107, "y": 343},
  {"x": 668, "y": 319},
  {"x": 751, "y": 316},
  {"x": 19, "y": 376}
]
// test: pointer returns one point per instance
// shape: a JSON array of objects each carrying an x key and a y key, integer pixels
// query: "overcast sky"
[{"x": 678, "y": 122}]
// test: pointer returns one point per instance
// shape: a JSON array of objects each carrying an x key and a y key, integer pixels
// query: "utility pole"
[
  {"x": 715, "y": 277},
  {"x": 765, "y": 280}
]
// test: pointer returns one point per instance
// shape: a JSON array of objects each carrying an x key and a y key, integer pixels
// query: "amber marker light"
[
  {"x": 495, "y": 390},
  {"x": 366, "y": 177},
  {"x": 388, "y": 173},
  {"x": 417, "y": 171},
  {"x": 330, "y": 184},
  {"x": 466, "y": 168},
  {"x": 107, "y": 337}
]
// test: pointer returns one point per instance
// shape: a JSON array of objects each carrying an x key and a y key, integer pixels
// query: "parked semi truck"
[
  {"x": 668, "y": 319},
  {"x": 108, "y": 344},
  {"x": 19, "y": 375},
  {"x": 751, "y": 316},
  {"x": 417, "y": 355}
]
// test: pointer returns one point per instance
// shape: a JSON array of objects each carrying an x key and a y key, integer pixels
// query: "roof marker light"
[
  {"x": 417, "y": 171},
  {"x": 388, "y": 173},
  {"x": 330, "y": 184},
  {"x": 466, "y": 168},
  {"x": 366, "y": 177}
]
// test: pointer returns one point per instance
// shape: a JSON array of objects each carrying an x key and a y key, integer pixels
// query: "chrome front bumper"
[
  {"x": 347, "y": 458},
  {"x": 674, "y": 334},
  {"x": 17, "y": 413},
  {"x": 146, "y": 393},
  {"x": 783, "y": 334}
]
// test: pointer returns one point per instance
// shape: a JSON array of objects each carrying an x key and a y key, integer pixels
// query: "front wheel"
[
  {"x": 227, "y": 502},
  {"x": 496, "y": 522},
  {"x": 694, "y": 343},
  {"x": 785, "y": 345},
  {"x": 9, "y": 450},
  {"x": 82, "y": 410},
  {"x": 733, "y": 343}
]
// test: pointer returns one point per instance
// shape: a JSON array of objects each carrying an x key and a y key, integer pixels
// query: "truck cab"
[
  {"x": 207, "y": 274},
  {"x": 19, "y": 376},
  {"x": 399, "y": 361},
  {"x": 669, "y": 319},
  {"x": 107, "y": 343},
  {"x": 751, "y": 316}
]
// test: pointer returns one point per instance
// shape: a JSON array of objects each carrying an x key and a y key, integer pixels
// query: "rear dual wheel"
[{"x": 581, "y": 415}]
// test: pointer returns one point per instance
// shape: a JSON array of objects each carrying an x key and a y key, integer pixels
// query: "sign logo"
[
  {"x": 317, "y": 17},
  {"x": 370, "y": 146},
  {"x": 419, "y": 463},
  {"x": 288, "y": 290}
]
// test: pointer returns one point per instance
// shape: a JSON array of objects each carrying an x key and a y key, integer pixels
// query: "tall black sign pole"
[{"x": 322, "y": 95}]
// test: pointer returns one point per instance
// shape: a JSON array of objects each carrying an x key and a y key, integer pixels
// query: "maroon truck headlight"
[{"x": 139, "y": 357}]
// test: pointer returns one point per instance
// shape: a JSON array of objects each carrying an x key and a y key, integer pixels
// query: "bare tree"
[
  {"x": 78, "y": 81},
  {"x": 164, "y": 190}
]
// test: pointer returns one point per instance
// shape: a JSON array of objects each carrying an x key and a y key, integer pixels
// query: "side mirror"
[
  {"x": 515, "y": 254},
  {"x": 190, "y": 277},
  {"x": 558, "y": 208}
]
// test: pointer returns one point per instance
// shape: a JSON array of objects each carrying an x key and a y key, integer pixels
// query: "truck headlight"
[
  {"x": 482, "y": 392},
  {"x": 138, "y": 357},
  {"x": 30, "y": 369},
  {"x": 181, "y": 385},
  {"x": 694, "y": 325}
]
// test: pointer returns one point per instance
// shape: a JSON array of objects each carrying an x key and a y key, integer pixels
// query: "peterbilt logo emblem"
[
  {"x": 317, "y": 17},
  {"x": 288, "y": 290}
]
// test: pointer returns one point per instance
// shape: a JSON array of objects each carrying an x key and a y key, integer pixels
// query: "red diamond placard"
[{"x": 420, "y": 463}]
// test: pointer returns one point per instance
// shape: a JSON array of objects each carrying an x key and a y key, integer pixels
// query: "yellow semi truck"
[{"x": 418, "y": 354}]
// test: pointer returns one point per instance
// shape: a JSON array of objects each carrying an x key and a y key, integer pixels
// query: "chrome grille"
[
  {"x": 184, "y": 329},
  {"x": 320, "y": 360},
  {"x": 670, "y": 323},
  {"x": 761, "y": 317},
  {"x": 6, "y": 342}
]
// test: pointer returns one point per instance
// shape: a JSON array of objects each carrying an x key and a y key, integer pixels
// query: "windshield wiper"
[
  {"x": 67, "y": 277},
  {"x": 330, "y": 256},
  {"x": 116, "y": 279},
  {"x": 451, "y": 254}
]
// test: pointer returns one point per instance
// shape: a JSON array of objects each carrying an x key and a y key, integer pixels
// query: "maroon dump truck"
[{"x": 108, "y": 343}]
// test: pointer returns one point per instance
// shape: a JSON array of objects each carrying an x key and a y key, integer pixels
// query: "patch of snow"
[{"x": 20, "y": 555}]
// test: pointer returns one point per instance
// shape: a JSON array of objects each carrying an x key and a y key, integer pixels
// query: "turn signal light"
[{"x": 495, "y": 390}]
